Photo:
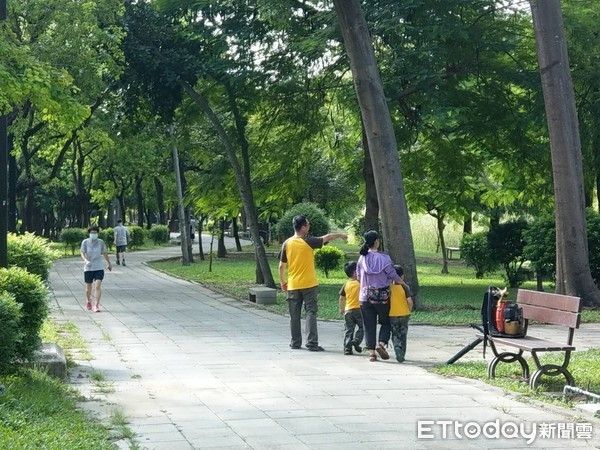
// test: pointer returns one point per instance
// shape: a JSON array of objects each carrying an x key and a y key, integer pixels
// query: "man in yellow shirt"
[{"x": 297, "y": 256}]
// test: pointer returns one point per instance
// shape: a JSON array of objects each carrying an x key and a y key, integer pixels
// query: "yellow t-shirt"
[
  {"x": 398, "y": 304},
  {"x": 351, "y": 290},
  {"x": 298, "y": 254}
]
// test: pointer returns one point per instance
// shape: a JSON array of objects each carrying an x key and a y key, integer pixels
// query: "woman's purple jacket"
[{"x": 375, "y": 269}]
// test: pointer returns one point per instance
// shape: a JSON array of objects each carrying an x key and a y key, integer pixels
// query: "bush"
[
  {"x": 506, "y": 247},
  {"x": 159, "y": 234},
  {"x": 540, "y": 245},
  {"x": 31, "y": 292},
  {"x": 475, "y": 251},
  {"x": 315, "y": 215},
  {"x": 593, "y": 237},
  {"x": 10, "y": 333},
  {"x": 31, "y": 253},
  {"x": 72, "y": 238},
  {"x": 137, "y": 236},
  {"x": 328, "y": 258},
  {"x": 108, "y": 236}
]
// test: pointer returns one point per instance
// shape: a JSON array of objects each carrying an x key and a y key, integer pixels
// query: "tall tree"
[
  {"x": 380, "y": 137},
  {"x": 573, "y": 276}
]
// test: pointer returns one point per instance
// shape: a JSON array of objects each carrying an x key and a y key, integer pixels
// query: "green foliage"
[
  {"x": 137, "y": 236},
  {"x": 31, "y": 292},
  {"x": 540, "y": 244},
  {"x": 107, "y": 235},
  {"x": 475, "y": 251},
  {"x": 159, "y": 234},
  {"x": 10, "y": 332},
  {"x": 593, "y": 236},
  {"x": 41, "y": 412},
  {"x": 72, "y": 237},
  {"x": 315, "y": 215},
  {"x": 328, "y": 258},
  {"x": 30, "y": 252},
  {"x": 506, "y": 245}
]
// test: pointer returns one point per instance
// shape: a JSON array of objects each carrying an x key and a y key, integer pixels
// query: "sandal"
[
  {"x": 373, "y": 358},
  {"x": 382, "y": 352}
]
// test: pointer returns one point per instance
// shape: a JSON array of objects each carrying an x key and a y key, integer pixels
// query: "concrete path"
[{"x": 193, "y": 369}]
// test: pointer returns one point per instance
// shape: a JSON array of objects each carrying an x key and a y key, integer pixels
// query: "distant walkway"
[{"x": 193, "y": 369}]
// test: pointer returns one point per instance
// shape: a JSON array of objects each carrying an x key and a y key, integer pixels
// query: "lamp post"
[{"x": 3, "y": 167}]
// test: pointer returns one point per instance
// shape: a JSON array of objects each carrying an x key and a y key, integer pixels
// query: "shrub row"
[
  {"x": 72, "y": 237},
  {"x": 510, "y": 245},
  {"x": 23, "y": 298}
]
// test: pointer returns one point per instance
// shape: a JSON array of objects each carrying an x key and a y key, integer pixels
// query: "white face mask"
[{"x": 93, "y": 236}]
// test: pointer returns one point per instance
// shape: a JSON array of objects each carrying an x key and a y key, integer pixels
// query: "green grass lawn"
[
  {"x": 41, "y": 412},
  {"x": 37, "y": 411},
  {"x": 451, "y": 299},
  {"x": 584, "y": 366}
]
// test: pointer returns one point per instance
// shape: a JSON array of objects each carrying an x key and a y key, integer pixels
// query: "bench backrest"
[{"x": 549, "y": 308}]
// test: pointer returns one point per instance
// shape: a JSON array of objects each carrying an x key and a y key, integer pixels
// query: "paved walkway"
[{"x": 193, "y": 369}]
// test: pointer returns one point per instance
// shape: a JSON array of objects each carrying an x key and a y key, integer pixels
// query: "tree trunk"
[
  {"x": 243, "y": 183},
  {"x": 381, "y": 139},
  {"x": 160, "y": 200},
  {"x": 573, "y": 276},
  {"x": 371, "y": 206},
  {"x": 236, "y": 236},
  {"x": 199, "y": 227},
  {"x": 468, "y": 224},
  {"x": 221, "y": 250},
  {"x": 139, "y": 201},
  {"x": 439, "y": 218},
  {"x": 12, "y": 188},
  {"x": 184, "y": 231}
]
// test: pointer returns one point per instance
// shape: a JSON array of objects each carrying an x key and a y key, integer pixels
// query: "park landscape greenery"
[{"x": 255, "y": 101}]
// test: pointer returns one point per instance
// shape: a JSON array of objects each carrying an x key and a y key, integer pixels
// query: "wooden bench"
[{"x": 548, "y": 308}]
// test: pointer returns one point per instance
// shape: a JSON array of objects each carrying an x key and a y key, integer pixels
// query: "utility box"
[{"x": 262, "y": 295}]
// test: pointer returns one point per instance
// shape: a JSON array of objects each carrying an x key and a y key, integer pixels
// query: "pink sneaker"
[
  {"x": 88, "y": 306},
  {"x": 96, "y": 308}
]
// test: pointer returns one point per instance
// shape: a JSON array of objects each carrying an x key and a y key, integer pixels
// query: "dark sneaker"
[
  {"x": 118, "y": 262},
  {"x": 400, "y": 359},
  {"x": 357, "y": 347},
  {"x": 347, "y": 351},
  {"x": 295, "y": 347},
  {"x": 315, "y": 348},
  {"x": 124, "y": 264}
]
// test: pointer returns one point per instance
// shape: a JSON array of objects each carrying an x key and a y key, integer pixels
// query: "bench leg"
[
  {"x": 552, "y": 370},
  {"x": 507, "y": 357}
]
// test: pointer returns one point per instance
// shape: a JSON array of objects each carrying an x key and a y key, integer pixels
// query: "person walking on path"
[
  {"x": 350, "y": 309},
  {"x": 375, "y": 270},
  {"x": 121, "y": 238},
  {"x": 92, "y": 250},
  {"x": 401, "y": 305},
  {"x": 297, "y": 257}
]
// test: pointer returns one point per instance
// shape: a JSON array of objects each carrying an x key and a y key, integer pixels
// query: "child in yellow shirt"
[
  {"x": 350, "y": 309},
  {"x": 401, "y": 305}
]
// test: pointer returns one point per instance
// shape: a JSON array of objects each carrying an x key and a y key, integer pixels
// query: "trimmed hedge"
[
  {"x": 30, "y": 291},
  {"x": 32, "y": 253},
  {"x": 10, "y": 331},
  {"x": 137, "y": 236},
  {"x": 329, "y": 258},
  {"x": 317, "y": 218},
  {"x": 72, "y": 238},
  {"x": 159, "y": 234}
]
